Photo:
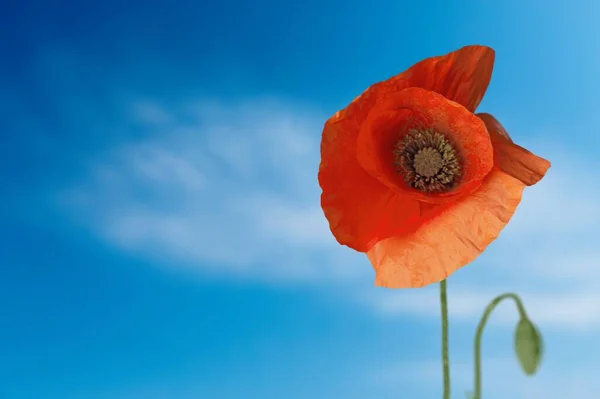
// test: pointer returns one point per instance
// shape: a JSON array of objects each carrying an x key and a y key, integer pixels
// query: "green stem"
[
  {"x": 445, "y": 357},
  {"x": 479, "y": 333}
]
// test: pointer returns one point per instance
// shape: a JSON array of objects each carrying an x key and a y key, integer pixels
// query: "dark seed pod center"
[{"x": 427, "y": 161}]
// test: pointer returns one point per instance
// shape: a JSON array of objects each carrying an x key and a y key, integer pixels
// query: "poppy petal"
[
  {"x": 390, "y": 120},
  {"x": 455, "y": 236},
  {"x": 512, "y": 158},
  {"x": 462, "y": 76},
  {"x": 361, "y": 211}
]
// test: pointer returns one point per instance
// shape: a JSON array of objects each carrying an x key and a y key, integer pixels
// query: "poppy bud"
[{"x": 528, "y": 345}]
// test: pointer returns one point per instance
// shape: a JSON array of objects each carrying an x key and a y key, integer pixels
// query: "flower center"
[{"x": 427, "y": 160}]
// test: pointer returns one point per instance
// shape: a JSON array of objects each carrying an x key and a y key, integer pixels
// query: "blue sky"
[{"x": 161, "y": 231}]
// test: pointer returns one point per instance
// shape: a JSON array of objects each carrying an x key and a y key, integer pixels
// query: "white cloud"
[
  {"x": 501, "y": 378},
  {"x": 231, "y": 188},
  {"x": 572, "y": 310}
]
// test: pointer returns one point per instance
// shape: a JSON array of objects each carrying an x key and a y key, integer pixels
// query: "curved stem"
[
  {"x": 445, "y": 356},
  {"x": 479, "y": 333}
]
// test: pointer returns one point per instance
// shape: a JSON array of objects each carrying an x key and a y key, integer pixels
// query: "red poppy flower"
[{"x": 416, "y": 180}]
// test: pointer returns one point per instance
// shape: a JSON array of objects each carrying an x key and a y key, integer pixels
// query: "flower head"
[{"x": 416, "y": 180}]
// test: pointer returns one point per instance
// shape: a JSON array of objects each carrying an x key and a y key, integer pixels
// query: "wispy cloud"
[
  {"x": 573, "y": 310},
  {"x": 501, "y": 376},
  {"x": 230, "y": 188}
]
